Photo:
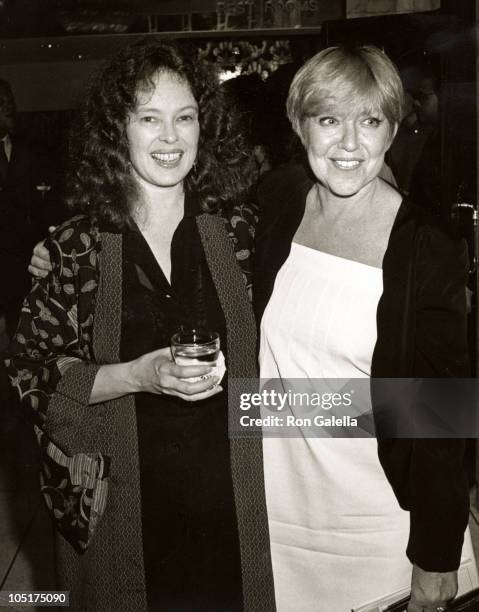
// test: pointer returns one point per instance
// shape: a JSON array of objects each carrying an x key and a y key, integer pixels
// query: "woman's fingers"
[
  {"x": 40, "y": 263},
  {"x": 192, "y": 371},
  {"x": 418, "y": 607},
  {"x": 197, "y": 396},
  {"x": 430, "y": 591},
  {"x": 156, "y": 372},
  {"x": 189, "y": 388},
  {"x": 166, "y": 365},
  {"x": 183, "y": 381},
  {"x": 36, "y": 272},
  {"x": 42, "y": 256},
  {"x": 201, "y": 386}
]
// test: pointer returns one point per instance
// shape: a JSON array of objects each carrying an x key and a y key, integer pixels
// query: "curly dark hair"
[{"x": 100, "y": 183}]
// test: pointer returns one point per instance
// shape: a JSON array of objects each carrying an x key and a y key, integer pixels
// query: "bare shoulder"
[
  {"x": 387, "y": 202},
  {"x": 373, "y": 230}
]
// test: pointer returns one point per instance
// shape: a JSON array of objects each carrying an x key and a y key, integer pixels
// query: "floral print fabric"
[
  {"x": 75, "y": 490},
  {"x": 55, "y": 332},
  {"x": 56, "y": 322}
]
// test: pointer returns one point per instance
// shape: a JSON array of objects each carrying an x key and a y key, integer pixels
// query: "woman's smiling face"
[
  {"x": 163, "y": 132},
  {"x": 346, "y": 145}
]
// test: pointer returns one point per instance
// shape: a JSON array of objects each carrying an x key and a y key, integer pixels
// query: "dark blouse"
[{"x": 190, "y": 540}]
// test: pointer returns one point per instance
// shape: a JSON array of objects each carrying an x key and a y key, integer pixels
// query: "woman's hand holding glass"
[{"x": 156, "y": 372}]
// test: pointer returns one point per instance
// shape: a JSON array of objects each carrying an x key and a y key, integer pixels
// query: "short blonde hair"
[{"x": 348, "y": 75}]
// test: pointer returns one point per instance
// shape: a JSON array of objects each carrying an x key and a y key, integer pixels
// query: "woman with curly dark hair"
[{"x": 156, "y": 508}]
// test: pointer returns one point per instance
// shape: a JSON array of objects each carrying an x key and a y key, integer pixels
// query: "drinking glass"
[{"x": 195, "y": 347}]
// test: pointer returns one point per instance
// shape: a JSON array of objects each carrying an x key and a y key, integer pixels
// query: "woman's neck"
[
  {"x": 334, "y": 207},
  {"x": 159, "y": 204}
]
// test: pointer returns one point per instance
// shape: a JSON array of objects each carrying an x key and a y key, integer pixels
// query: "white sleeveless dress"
[{"x": 338, "y": 535}]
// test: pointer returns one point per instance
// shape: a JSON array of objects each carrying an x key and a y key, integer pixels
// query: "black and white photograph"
[{"x": 239, "y": 279}]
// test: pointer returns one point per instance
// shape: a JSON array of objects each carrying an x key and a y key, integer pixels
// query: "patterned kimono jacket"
[{"x": 70, "y": 326}]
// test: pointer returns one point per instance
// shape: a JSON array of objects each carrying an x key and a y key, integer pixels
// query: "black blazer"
[{"x": 421, "y": 324}]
